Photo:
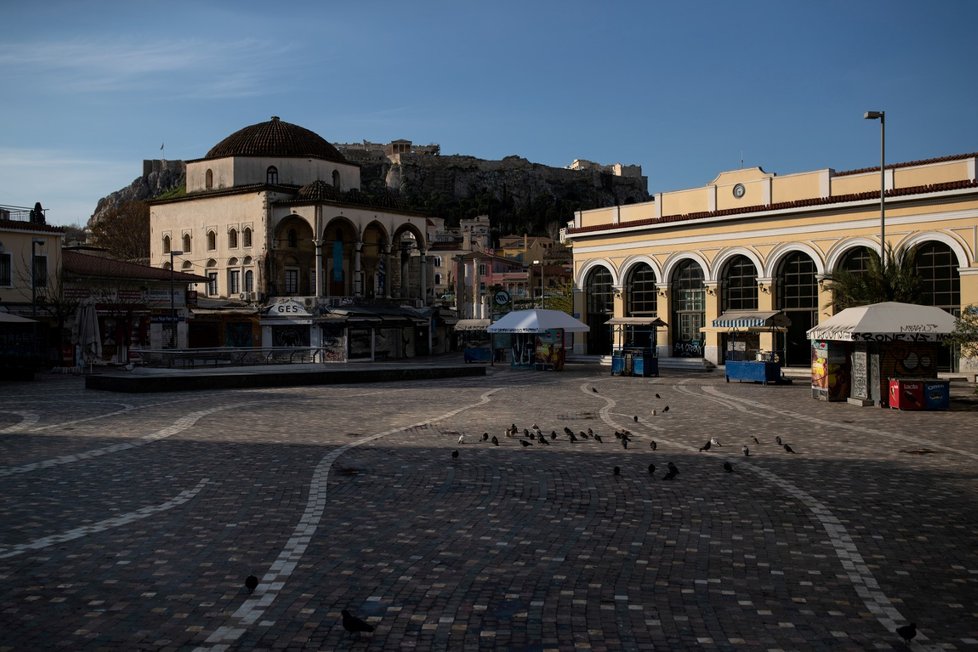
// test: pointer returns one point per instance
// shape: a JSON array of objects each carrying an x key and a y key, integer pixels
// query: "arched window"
[
  {"x": 739, "y": 290},
  {"x": 856, "y": 260},
  {"x": 166, "y": 244},
  {"x": 600, "y": 301},
  {"x": 293, "y": 238},
  {"x": 249, "y": 281},
  {"x": 209, "y": 179},
  {"x": 688, "y": 310},
  {"x": 641, "y": 299},
  {"x": 336, "y": 179},
  {"x": 937, "y": 267},
  {"x": 211, "y": 241},
  {"x": 247, "y": 237},
  {"x": 797, "y": 294},
  {"x": 186, "y": 243},
  {"x": 233, "y": 239},
  {"x": 271, "y": 175},
  {"x": 212, "y": 278},
  {"x": 437, "y": 279}
]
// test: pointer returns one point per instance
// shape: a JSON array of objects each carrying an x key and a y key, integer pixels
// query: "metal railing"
[{"x": 236, "y": 357}]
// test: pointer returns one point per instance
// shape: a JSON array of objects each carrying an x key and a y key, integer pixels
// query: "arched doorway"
[
  {"x": 339, "y": 243},
  {"x": 294, "y": 256},
  {"x": 738, "y": 291},
  {"x": 937, "y": 268},
  {"x": 641, "y": 300},
  {"x": 688, "y": 309},
  {"x": 600, "y": 308},
  {"x": 796, "y": 293}
]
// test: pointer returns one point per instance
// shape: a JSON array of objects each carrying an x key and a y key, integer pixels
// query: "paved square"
[{"x": 132, "y": 521}]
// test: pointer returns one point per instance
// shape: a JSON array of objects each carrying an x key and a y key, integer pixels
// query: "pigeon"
[
  {"x": 672, "y": 472},
  {"x": 485, "y": 436},
  {"x": 513, "y": 428},
  {"x": 461, "y": 439},
  {"x": 617, "y": 471},
  {"x": 705, "y": 447},
  {"x": 533, "y": 437},
  {"x": 653, "y": 445},
  {"x": 907, "y": 632},
  {"x": 672, "y": 468},
  {"x": 543, "y": 440},
  {"x": 582, "y": 435},
  {"x": 624, "y": 442},
  {"x": 756, "y": 441},
  {"x": 651, "y": 469},
  {"x": 534, "y": 427},
  {"x": 553, "y": 435},
  {"x": 594, "y": 389},
  {"x": 617, "y": 435},
  {"x": 572, "y": 437},
  {"x": 714, "y": 441},
  {"x": 590, "y": 432},
  {"x": 728, "y": 467},
  {"x": 525, "y": 443},
  {"x": 568, "y": 431},
  {"x": 657, "y": 396},
  {"x": 788, "y": 449},
  {"x": 250, "y": 583},
  {"x": 665, "y": 409},
  {"x": 778, "y": 439},
  {"x": 746, "y": 451},
  {"x": 353, "y": 624},
  {"x": 455, "y": 454},
  {"x": 495, "y": 441},
  {"x": 654, "y": 413},
  {"x": 635, "y": 418},
  {"x": 598, "y": 438},
  {"x": 526, "y": 432}
]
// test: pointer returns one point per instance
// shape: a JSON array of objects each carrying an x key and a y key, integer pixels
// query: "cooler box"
[
  {"x": 937, "y": 394},
  {"x": 906, "y": 394}
]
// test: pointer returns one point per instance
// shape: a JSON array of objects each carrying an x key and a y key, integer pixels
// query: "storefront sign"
[{"x": 288, "y": 309}]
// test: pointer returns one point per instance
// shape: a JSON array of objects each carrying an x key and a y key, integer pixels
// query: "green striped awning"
[{"x": 745, "y": 319}]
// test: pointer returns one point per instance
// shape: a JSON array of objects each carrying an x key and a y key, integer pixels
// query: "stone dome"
[{"x": 275, "y": 139}]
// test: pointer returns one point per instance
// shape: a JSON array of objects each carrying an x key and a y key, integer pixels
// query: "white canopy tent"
[
  {"x": 889, "y": 321},
  {"x": 537, "y": 320}
]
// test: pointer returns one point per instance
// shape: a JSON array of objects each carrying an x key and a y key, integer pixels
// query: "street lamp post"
[
  {"x": 34, "y": 244},
  {"x": 543, "y": 287},
  {"x": 173, "y": 307},
  {"x": 881, "y": 116}
]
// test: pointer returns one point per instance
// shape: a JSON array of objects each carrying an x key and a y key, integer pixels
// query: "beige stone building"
[
  {"x": 756, "y": 242},
  {"x": 273, "y": 217}
]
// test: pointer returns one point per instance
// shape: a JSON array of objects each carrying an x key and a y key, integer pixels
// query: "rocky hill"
[{"x": 519, "y": 196}]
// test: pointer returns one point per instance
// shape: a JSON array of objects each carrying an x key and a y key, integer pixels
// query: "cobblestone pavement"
[{"x": 131, "y": 521}]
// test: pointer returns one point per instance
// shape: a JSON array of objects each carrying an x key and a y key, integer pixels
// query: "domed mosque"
[{"x": 294, "y": 255}]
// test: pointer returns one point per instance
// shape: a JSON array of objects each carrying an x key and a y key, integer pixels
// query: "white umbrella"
[
  {"x": 537, "y": 320},
  {"x": 89, "y": 338},
  {"x": 886, "y": 322}
]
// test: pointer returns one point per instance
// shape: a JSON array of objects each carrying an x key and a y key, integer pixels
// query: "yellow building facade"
[{"x": 755, "y": 242}]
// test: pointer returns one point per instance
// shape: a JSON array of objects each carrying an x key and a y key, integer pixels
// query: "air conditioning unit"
[
  {"x": 243, "y": 296},
  {"x": 252, "y": 296}
]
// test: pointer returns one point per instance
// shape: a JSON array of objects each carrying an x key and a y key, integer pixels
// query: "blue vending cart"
[{"x": 634, "y": 346}]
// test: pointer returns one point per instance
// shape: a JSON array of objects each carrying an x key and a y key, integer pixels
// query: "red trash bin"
[{"x": 906, "y": 394}]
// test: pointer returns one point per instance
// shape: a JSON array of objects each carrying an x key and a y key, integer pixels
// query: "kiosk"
[
  {"x": 744, "y": 360},
  {"x": 634, "y": 346},
  {"x": 537, "y": 336}
]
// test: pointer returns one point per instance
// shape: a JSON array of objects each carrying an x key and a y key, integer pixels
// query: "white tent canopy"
[
  {"x": 537, "y": 320},
  {"x": 886, "y": 322}
]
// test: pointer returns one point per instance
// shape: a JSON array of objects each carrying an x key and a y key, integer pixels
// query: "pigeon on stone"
[
  {"x": 617, "y": 434},
  {"x": 665, "y": 409},
  {"x": 715, "y": 442},
  {"x": 597, "y": 438},
  {"x": 553, "y": 435},
  {"x": 543, "y": 440},
  {"x": 582, "y": 435},
  {"x": 657, "y": 396},
  {"x": 653, "y": 445},
  {"x": 624, "y": 443},
  {"x": 533, "y": 437},
  {"x": 746, "y": 451},
  {"x": 526, "y": 432},
  {"x": 778, "y": 439},
  {"x": 495, "y": 440},
  {"x": 354, "y": 625},
  {"x": 525, "y": 443},
  {"x": 617, "y": 471},
  {"x": 594, "y": 389},
  {"x": 788, "y": 449},
  {"x": 654, "y": 412},
  {"x": 672, "y": 472},
  {"x": 728, "y": 467},
  {"x": 568, "y": 431},
  {"x": 461, "y": 439},
  {"x": 907, "y": 632},
  {"x": 705, "y": 447},
  {"x": 635, "y": 418},
  {"x": 590, "y": 432},
  {"x": 455, "y": 454},
  {"x": 651, "y": 469},
  {"x": 250, "y": 583},
  {"x": 572, "y": 437},
  {"x": 756, "y": 441},
  {"x": 485, "y": 436}
]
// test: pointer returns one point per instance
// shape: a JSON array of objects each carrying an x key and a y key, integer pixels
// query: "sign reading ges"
[{"x": 288, "y": 309}]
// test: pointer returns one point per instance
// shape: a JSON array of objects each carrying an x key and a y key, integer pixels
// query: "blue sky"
[{"x": 684, "y": 89}]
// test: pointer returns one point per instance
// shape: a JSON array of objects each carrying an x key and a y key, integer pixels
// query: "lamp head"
[{"x": 874, "y": 115}]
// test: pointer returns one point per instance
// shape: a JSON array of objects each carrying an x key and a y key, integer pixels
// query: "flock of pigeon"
[{"x": 534, "y": 436}]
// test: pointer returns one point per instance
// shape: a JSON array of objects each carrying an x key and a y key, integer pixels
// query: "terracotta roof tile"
[{"x": 84, "y": 265}]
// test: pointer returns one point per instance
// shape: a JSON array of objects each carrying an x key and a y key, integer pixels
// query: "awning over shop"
[
  {"x": 472, "y": 324},
  {"x": 537, "y": 320},
  {"x": 886, "y": 322},
  {"x": 636, "y": 321},
  {"x": 745, "y": 321}
]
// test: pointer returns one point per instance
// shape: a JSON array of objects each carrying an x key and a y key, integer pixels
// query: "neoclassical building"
[
  {"x": 273, "y": 217},
  {"x": 756, "y": 242}
]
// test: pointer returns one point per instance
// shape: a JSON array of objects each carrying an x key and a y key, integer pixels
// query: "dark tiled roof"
[
  {"x": 276, "y": 138},
  {"x": 80, "y": 264},
  {"x": 319, "y": 190},
  {"x": 926, "y": 161},
  {"x": 21, "y": 225},
  {"x": 801, "y": 203}
]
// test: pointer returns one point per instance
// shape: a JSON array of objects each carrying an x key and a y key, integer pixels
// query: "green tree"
[
  {"x": 123, "y": 231},
  {"x": 966, "y": 332},
  {"x": 897, "y": 280}
]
